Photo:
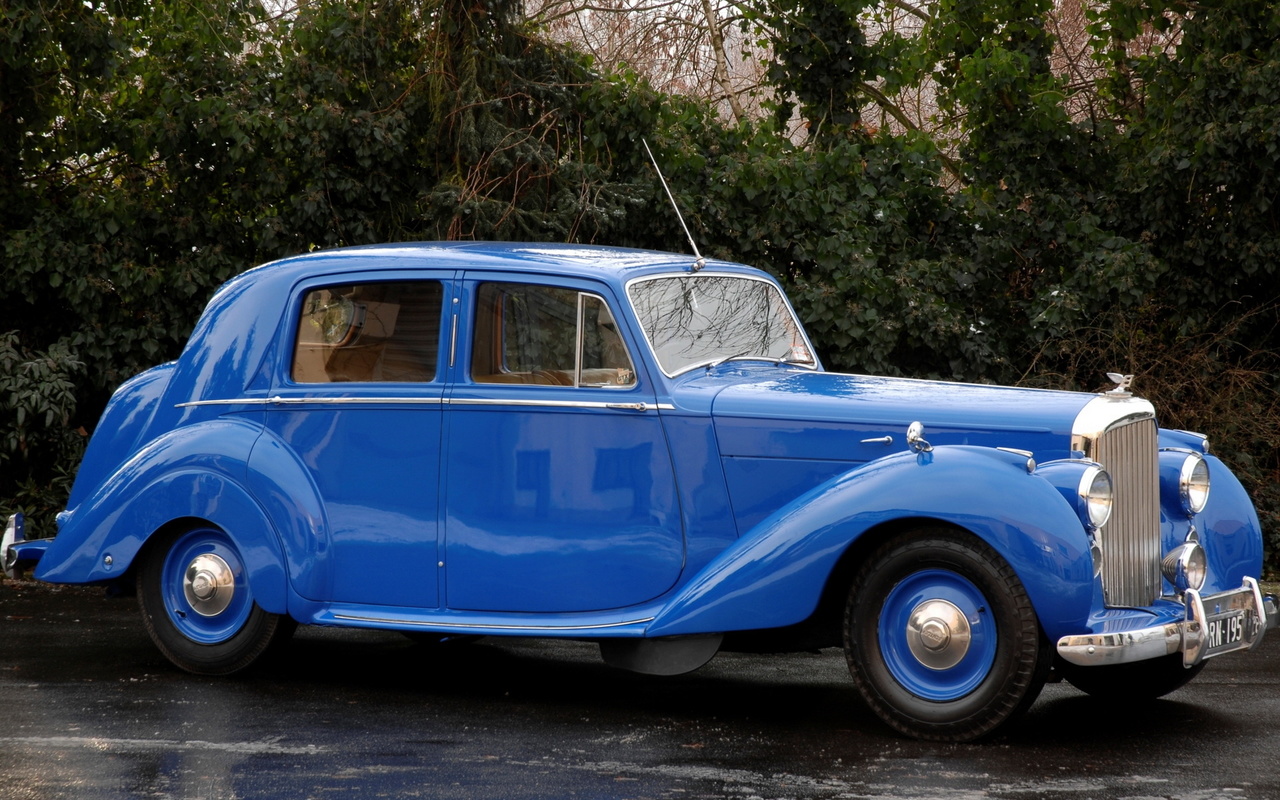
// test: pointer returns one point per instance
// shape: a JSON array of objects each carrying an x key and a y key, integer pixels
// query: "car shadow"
[{"x": 799, "y": 691}]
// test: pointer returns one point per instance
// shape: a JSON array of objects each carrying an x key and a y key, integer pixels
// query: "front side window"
[
  {"x": 547, "y": 336},
  {"x": 374, "y": 332},
  {"x": 698, "y": 320}
]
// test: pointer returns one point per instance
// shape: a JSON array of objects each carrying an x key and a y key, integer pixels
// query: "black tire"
[
  {"x": 1141, "y": 680},
  {"x": 212, "y": 640},
  {"x": 929, "y": 681}
]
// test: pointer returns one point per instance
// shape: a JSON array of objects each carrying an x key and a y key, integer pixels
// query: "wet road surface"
[{"x": 90, "y": 709}]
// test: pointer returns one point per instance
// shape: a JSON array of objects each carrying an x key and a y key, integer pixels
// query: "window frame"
[
  {"x": 501, "y": 323},
  {"x": 294, "y": 319}
]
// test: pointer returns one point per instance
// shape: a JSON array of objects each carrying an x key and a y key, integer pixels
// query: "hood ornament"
[{"x": 1122, "y": 383}]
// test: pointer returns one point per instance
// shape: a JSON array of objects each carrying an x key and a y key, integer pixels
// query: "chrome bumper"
[
  {"x": 1211, "y": 626},
  {"x": 15, "y": 551}
]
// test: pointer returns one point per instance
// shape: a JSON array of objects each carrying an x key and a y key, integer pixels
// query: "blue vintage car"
[{"x": 641, "y": 449}]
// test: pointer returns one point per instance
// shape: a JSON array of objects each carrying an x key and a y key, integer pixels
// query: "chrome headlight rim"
[
  {"x": 1194, "y": 483},
  {"x": 1186, "y": 567},
  {"x": 1096, "y": 492}
]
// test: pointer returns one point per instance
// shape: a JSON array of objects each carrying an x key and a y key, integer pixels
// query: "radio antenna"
[{"x": 701, "y": 262}]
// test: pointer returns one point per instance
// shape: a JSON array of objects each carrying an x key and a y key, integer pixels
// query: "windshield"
[{"x": 703, "y": 320}]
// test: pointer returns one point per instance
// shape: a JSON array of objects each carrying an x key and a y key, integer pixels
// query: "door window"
[
  {"x": 375, "y": 332},
  {"x": 547, "y": 336}
]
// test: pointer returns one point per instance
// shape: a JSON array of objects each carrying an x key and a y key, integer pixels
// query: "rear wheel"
[
  {"x": 197, "y": 606},
  {"x": 940, "y": 637}
]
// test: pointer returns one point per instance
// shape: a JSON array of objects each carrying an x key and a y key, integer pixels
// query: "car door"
[
  {"x": 360, "y": 407},
  {"x": 559, "y": 491}
]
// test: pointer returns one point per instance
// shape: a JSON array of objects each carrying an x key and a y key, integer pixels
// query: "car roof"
[
  {"x": 612, "y": 264},
  {"x": 232, "y": 337}
]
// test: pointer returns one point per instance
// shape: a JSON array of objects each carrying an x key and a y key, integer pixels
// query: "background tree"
[{"x": 1009, "y": 190}]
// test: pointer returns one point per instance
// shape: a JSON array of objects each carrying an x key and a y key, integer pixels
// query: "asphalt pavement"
[{"x": 90, "y": 709}]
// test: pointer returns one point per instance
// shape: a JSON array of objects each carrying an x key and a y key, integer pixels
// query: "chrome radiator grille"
[{"x": 1131, "y": 539}]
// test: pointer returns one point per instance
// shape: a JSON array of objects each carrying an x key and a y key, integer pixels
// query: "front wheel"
[
  {"x": 940, "y": 637},
  {"x": 197, "y": 606}
]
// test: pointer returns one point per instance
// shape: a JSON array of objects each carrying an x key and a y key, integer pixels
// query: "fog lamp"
[{"x": 1185, "y": 567}]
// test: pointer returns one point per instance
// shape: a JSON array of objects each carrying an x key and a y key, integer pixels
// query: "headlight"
[
  {"x": 1095, "y": 491},
  {"x": 1193, "y": 484}
]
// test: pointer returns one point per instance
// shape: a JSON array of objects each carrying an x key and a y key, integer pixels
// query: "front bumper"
[{"x": 1211, "y": 626}]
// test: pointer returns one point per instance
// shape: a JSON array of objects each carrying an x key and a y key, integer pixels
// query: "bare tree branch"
[{"x": 721, "y": 62}]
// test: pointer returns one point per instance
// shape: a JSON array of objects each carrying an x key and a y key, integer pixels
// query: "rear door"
[{"x": 360, "y": 407}]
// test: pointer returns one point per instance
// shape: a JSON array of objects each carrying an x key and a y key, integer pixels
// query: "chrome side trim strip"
[
  {"x": 298, "y": 401},
  {"x": 491, "y": 627},
  {"x": 493, "y": 401},
  {"x": 426, "y": 401}
]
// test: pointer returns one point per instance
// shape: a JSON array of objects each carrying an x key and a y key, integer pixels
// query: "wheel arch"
[
  {"x": 828, "y": 616},
  {"x": 186, "y": 477}
]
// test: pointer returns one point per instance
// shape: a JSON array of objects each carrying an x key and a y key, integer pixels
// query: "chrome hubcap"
[
  {"x": 938, "y": 634},
  {"x": 208, "y": 585}
]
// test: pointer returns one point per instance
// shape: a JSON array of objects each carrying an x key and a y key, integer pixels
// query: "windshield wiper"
[
  {"x": 783, "y": 359},
  {"x": 713, "y": 364}
]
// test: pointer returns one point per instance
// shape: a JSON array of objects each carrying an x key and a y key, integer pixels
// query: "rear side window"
[
  {"x": 374, "y": 332},
  {"x": 548, "y": 336}
]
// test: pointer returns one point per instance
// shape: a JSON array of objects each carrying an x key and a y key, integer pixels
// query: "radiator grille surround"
[{"x": 1121, "y": 435}]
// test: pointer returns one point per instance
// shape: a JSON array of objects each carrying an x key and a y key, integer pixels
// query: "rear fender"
[
  {"x": 123, "y": 423},
  {"x": 192, "y": 473},
  {"x": 775, "y": 575}
]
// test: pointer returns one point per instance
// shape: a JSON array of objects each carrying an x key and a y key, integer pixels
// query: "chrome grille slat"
[{"x": 1131, "y": 539}]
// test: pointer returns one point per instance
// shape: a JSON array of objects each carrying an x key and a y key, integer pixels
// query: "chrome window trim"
[
  {"x": 453, "y": 339},
  {"x": 582, "y": 296},
  {"x": 644, "y": 335},
  {"x": 515, "y": 401}
]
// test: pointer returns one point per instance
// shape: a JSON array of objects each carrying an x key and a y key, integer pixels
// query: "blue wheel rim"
[
  {"x": 203, "y": 627},
  {"x": 953, "y": 682}
]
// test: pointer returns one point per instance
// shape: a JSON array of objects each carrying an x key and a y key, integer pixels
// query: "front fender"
[
  {"x": 775, "y": 575},
  {"x": 191, "y": 473},
  {"x": 1229, "y": 531}
]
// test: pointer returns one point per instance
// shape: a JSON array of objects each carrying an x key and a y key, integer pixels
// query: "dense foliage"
[{"x": 150, "y": 150}]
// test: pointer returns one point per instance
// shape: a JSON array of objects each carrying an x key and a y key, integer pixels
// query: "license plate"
[{"x": 1224, "y": 632}]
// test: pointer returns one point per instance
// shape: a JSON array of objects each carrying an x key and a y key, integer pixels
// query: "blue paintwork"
[
  {"x": 931, "y": 684},
  {"x": 723, "y": 504},
  {"x": 200, "y": 628},
  {"x": 774, "y": 575},
  {"x": 605, "y": 535},
  {"x": 1228, "y": 527},
  {"x": 190, "y": 473}
]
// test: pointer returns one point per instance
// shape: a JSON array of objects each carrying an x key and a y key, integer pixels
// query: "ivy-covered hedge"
[{"x": 150, "y": 150}]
